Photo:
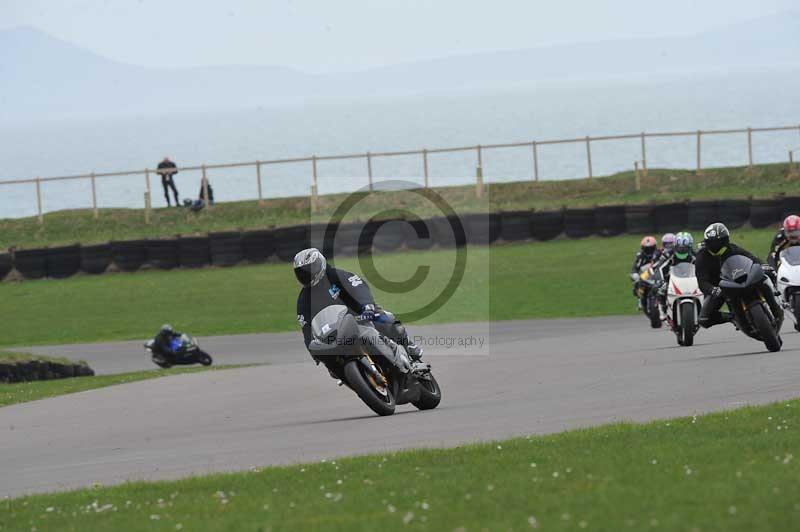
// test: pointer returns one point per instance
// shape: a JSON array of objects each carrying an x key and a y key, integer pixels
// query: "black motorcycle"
[
  {"x": 368, "y": 363},
  {"x": 750, "y": 296},
  {"x": 185, "y": 352},
  {"x": 646, "y": 289}
]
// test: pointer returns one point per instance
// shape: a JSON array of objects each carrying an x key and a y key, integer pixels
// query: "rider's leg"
[
  {"x": 392, "y": 328},
  {"x": 710, "y": 314}
]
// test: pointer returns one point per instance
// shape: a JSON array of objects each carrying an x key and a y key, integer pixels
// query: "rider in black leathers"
[
  {"x": 324, "y": 285},
  {"x": 715, "y": 251}
]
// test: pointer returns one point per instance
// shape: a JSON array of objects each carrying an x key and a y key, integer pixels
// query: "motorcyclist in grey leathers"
[{"x": 325, "y": 285}]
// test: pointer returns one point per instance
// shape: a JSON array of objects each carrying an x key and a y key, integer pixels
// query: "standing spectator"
[{"x": 167, "y": 169}]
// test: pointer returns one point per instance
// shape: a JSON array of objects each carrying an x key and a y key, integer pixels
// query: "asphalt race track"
[{"x": 528, "y": 377}]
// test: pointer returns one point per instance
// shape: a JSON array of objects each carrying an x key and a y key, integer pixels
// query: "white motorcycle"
[
  {"x": 789, "y": 282},
  {"x": 684, "y": 300}
]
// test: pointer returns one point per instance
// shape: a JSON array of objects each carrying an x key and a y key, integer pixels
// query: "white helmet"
[{"x": 309, "y": 266}]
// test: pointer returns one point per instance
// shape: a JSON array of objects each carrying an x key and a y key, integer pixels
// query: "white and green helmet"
[{"x": 684, "y": 245}]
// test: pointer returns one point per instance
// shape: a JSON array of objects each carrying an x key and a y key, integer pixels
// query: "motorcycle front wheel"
[
  {"x": 653, "y": 313},
  {"x": 765, "y": 329},
  {"x": 378, "y": 398},
  {"x": 687, "y": 325},
  {"x": 205, "y": 359},
  {"x": 430, "y": 394}
]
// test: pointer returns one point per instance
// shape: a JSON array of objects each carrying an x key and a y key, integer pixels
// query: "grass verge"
[
  {"x": 66, "y": 227},
  {"x": 22, "y": 392},
  {"x": 733, "y": 471},
  {"x": 565, "y": 278}
]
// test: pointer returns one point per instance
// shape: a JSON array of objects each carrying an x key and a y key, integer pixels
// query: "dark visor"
[{"x": 305, "y": 274}]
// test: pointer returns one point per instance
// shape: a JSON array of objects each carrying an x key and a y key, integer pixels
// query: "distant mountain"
[{"x": 41, "y": 76}]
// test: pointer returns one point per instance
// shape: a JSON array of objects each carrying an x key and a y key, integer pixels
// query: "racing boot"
[{"x": 418, "y": 367}]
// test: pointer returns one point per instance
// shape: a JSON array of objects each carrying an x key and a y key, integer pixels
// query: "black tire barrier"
[
  {"x": 258, "y": 246},
  {"x": 610, "y": 220},
  {"x": 129, "y": 255},
  {"x": 790, "y": 205},
  {"x": 193, "y": 251},
  {"x": 227, "y": 249},
  {"x": 419, "y": 234},
  {"x": 640, "y": 219},
  {"x": 63, "y": 262},
  {"x": 31, "y": 263},
  {"x": 735, "y": 213},
  {"x": 317, "y": 234},
  {"x": 162, "y": 254},
  {"x": 290, "y": 240},
  {"x": 515, "y": 225},
  {"x": 701, "y": 214},
  {"x": 765, "y": 212},
  {"x": 38, "y": 370},
  {"x": 389, "y": 235},
  {"x": 95, "y": 259},
  {"x": 6, "y": 265},
  {"x": 481, "y": 229},
  {"x": 353, "y": 238},
  {"x": 579, "y": 223},
  {"x": 448, "y": 232},
  {"x": 547, "y": 225},
  {"x": 670, "y": 217}
]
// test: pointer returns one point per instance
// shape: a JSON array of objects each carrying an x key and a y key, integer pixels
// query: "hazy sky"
[{"x": 329, "y": 35}]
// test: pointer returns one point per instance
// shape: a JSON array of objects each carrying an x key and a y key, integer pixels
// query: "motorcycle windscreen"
[
  {"x": 326, "y": 320},
  {"x": 684, "y": 270},
  {"x": 736, "y": 269},
  {"x": 791, "y": 256}
]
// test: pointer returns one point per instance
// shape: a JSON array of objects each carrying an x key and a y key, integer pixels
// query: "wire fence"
[{"x": 533, "y": 148}]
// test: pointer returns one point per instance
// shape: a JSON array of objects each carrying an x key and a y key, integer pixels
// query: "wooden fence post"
[
  {"x": 750, "y": 148},
  {"x": 369, "y": 170},
  {"x": 589, "y": 154},
  {"x": 480, "y": 155},
  {"x": 39, "y": 200},
  {"x": 258, "y": 179},
  {"x": 479, "y": 182},
  {"x": 535, "y": 162},
  {"x": 147, "y": 206},
  {"x": 644, "y": 154},
  {"x": 94, "y": 196},
  {"x": 314, "y": 186},
  {"x": 637, "y": 178},
  {"x": 699, "y": 159},
  {"x": 425, "y": 165}
]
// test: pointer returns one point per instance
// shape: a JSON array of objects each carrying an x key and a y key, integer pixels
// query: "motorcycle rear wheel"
[
  {"x": 768, "y": 335},
  {"x": 381, "y": 404},
  {"x": 430, "y": 394}
]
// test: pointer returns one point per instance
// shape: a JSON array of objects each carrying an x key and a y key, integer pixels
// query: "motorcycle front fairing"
[
  {"x": 789, "y": 271},
  {"x": 739, "y": 273}
]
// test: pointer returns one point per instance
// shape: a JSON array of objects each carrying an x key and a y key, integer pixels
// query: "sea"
[{"x": 463, "y": 117}]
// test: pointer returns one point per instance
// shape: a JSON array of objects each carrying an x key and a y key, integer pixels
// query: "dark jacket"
[
  {"x": 640, "y": 259},
  {"x": 338, "y": 287},
  {"x": 779, "y": 243},
  {"x": 163, "y": 168},
  {"x": 708, "y": 266}
]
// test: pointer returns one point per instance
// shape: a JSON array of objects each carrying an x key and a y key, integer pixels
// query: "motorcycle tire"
[
  {"x": 687, "y": 325},
  {"x": 383, "y": 405},
  {"x": 796, "y": 311},
  {"x": 653, "y": 314},
  {"x": 762, "y": 324},
  {"x": 430, "y": 393},
  {"x": 205, "y": 359}
]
